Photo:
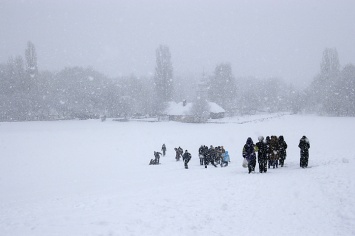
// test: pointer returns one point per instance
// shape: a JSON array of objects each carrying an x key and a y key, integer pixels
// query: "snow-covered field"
[{"x": 93, "y": 178}]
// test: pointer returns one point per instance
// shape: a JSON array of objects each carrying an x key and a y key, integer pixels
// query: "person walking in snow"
[
  {"x": 201, "y": 154},
  {"x": 282, "y": 150},
  {"x": 219, "y": 153},
  {"x": 163, "y": 149},
  {"x": 274, "y": 152},
  {"x": 177, "y": 154},
  {"x": 181, "y": 151},
  {"x": 267, "y": 140},
  {"x": 261, "y": 148},
  {"x": 157, "y": 157},
  {"x": 225, "y": 159},
  {"x": 304, "y": 146},
  {"x": 249, "y": 154},
  {"x": 210, "y": 157},
  {"x": 186, "y": 157}
]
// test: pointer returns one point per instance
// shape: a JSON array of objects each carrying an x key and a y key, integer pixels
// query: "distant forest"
[{"x": 27, "y": 93}]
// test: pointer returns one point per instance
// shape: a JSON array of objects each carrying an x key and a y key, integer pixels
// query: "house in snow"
[
  {"x": 216, "y": 111},
  {"x": 182, "y": 111}
]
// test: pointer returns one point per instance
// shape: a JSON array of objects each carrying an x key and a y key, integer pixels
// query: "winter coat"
[
  {"x": 249, "y": 151},
  {"x": 226, "y": 157},
  {"x": 186, "y": 157},
  {"x": 180, "y": 150},
  {"x": 212, "y": 154},
  {"x": 177, "y": 156},
  {"x": 261, "y": 148},
  {"x": 201, "y": 150},
  {"x": 157, "y": 154},
  {"x": 304, "y": 144},
  {"x": 274, "y": 148},
  {"x": 282, "y": 147}
]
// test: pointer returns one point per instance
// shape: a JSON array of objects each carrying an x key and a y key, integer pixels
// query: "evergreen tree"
[
  {"x": 163, "y": 77},
  {"x": 200, "y": 108},
  {"x": 325, "y": 87},
  {"x": 330, "y": 63},
  {"x": 348, "y": 90},
  {"x": 222, "y": 89},
  {"x": 31, "y": 59}
]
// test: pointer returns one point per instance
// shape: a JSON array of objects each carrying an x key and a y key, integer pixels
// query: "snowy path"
[{"x": 93, "y": 178}]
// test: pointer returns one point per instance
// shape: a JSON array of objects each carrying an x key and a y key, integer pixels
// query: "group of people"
[
  {"x": 214, "y": 155},
  {"x": 268, "y": 152},
  {"x": 186, "y": 156},
  {"x": 156, "y": 160},
  {"x": 272, "y": 152}
]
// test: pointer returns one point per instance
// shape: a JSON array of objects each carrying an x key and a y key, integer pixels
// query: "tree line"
[{"x": 27, "y": 93}]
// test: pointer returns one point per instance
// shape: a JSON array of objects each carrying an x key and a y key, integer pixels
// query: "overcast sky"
[{"x": 262, "y": 38}]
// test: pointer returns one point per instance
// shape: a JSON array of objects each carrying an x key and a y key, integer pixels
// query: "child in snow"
[
  {"x": 157, "y": 157},
  {"x": 186, "y": 158},
  {"x": 177, "y": 154},
  {"x": 163, "y": 149},
  {"x": 225, "y": 159}
]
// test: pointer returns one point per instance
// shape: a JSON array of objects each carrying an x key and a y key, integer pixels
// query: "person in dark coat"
[
  {"x": 261, "y": 148},
  {"x": 304, "y": 146},
  {"x": 181, "y": 151},
  {"x": 163, "y": 149},
  {"x": 186, "y": 157},
  {"x": 249, "y": 154},
  {"x": 282, "y": 150},
  {"x": 177, "y": 154},
  {"x": 157, "y": 157},
  {"x": 274, "y": 151},
  {"x": 210, "y": 157},
  {"x": 267, "y": 140},
  {"x": 201, "y": 154}
]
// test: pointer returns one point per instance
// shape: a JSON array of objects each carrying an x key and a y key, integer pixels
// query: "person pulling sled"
[{"x": 157, "y": 157}]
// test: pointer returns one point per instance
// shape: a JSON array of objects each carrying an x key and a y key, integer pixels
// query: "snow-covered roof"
[
  {"x": 215, "y": 108},
  {"x": 177, "y": 109}
]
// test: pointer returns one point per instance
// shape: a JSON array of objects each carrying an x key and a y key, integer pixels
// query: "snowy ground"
[{"x": 93, "y": 178}]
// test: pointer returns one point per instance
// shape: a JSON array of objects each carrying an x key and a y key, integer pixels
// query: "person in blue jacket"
[
  {"x": 225, "y": 159},
  {"x": 249, "y": 154}
]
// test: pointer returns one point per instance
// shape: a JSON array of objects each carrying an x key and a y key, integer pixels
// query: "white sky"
[{"x": 262, "y": 38}]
